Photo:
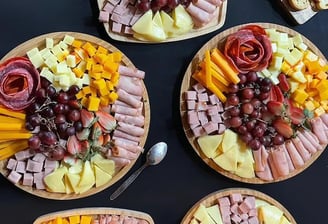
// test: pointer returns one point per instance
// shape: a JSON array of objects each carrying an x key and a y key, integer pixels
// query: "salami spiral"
[
  {"x": 19, "y": 81},
  {"x": 249, "y": 49}
]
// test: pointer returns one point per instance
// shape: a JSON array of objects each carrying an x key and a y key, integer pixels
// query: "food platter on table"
[
  {"x": 97, "y": 213},
  {"x": 261, "y": 199},
  {"x": 188, "y": 82},
  {"x": 216, "y": 23},
  {"x": 40, "y": 42}
]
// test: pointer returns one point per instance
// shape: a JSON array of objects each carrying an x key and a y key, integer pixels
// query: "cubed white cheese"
[
  {"x": 297, "y": 39},
  {"x": 297, "y": 54},
  {"x": 64, "y": 80},
  {"x": 62, "y": 68},
  {"x": 309, "y": 55},
  {"x": 302, "y": 46},
  {"x": 71, "y": 61},
  {"x": 68, "y": 39},
  {"x": 290, "y": 43},
  {"x": 283, "y": 37},
  {"x": 266, "y": 73},
  {"x": 276, "y": 63},
  {"x": 49, "y": 42},
  {"x": 299, "y": 76},
  {"x": 51, "y": 62},
  {"x": 72, "y": 78},
  {"x": 274, "y": 47},
  {"x": 32, "y": 52},
  {"x": 281, "y": 51},
  {"x": 46, "y": 73},
  {"x": 79, "y": 83},
  {"x": 86, "y": 79},
  {"x": 36, "y": 60},
  {"x": 63, "y": 45},
  {"x": 45, "y": 53}
]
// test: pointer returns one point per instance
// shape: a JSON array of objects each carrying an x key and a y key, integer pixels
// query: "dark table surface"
[{"x": 168, "y": 190}]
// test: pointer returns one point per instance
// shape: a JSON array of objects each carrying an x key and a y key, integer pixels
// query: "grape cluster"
[
  {"x": 53, "y": 116},
  {"x": 156, "y": 5},
  {"x": 247, "y": 113}
]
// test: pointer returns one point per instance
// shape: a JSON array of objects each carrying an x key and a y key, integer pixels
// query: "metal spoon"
[{"x": 154, "y": 156}]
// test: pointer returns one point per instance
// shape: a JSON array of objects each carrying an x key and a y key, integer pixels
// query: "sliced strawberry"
[
  {"x": 276, "y": 108},
  {"x": 107, "y": 121},
  {"x": 297, "y": 116},
  {"x": 283, "y": 83},
  {"x": 73, "y": 145},
  {"x": 96, "y": 131},
  {"x": 279, "y": 95},
  {"x": 87, "y": 118},
  {"x": 283, "y": 128},
  {"x": 84, "y": 134}
]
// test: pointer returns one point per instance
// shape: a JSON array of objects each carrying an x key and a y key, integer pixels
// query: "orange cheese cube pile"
[
  {"x": 310, "y": 88},
  {"x": 102, "y": 68}
]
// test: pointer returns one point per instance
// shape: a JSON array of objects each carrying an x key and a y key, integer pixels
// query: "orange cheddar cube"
[
  {"x": 106, "y": 75},
  {"x": 101, "y": 50},
  {"x": 109, "y": 85},
  {"x": 86, "y": 219},
  {"x": 111, "y": 66},
  {"x": 90, "y": 49},
  {"x": 74, "y": 219},
  {"x": 77, "y": 43},
  {"x": 112, "y": 96},
  {"x": 104, "y": 100},
  {"x": 117, "y": 56},
  {"x": 79, "y": 95},
  {"x": 86, "y": 90},
  {"x": 97, "y": 68},
  {"x": 300, "y": 96},
  {"x": 100, "y": 58},
  {"x": 78, "y": 72},
  {"x": 93, "y": 105},
  {"x": 58, "y": 220}
]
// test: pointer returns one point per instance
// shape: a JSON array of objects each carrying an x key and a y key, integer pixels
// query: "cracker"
[{"x": 299, "y": 4}]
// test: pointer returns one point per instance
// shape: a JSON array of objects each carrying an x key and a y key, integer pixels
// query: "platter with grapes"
[
  {"x": 75, "y": 115},
  {"x": 160, "y": 21},
  {"x": 238, "y": 205},
  {"x": 253, "y": 103}
]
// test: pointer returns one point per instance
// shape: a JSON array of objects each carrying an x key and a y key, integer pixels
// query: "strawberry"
[
  {"x": 87, "y": 118},
  {"x": 84, "y": 134},
  {"x": 276, "y": 94},
  {"x": 99, "y": 141},
  {"x": 283, "y": 127},
  {"x": 73, "y": 145},
  {"x": 283, "y": 83},
  {"x": 276, "y": 108},
  {"x": 295, "y": 114},
  {"x": 96, "y": 131},
  {"x": 74, "y": 104},
  {"x": 106, "y": 120}
]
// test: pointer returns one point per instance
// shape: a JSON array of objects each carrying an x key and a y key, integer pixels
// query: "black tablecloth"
[{"x": 168, "y": 190}]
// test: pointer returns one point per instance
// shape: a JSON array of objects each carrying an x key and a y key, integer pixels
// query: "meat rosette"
[
  {"x": 248, "y": 49},
  {"x": 19, "y": 81}
]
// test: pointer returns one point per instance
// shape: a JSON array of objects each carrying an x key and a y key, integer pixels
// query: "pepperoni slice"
[
  {"x": 19, "y": 81},
  {"x": 248, "y": 49}
]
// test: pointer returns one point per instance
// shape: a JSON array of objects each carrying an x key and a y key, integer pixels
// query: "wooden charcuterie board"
[
  {"x": 300, "y": 16},
  {"x": 40, "y": 43}
]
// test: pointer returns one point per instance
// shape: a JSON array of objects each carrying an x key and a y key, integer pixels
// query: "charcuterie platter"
[
  {"x": 91, "y": 215},
  {"x": 260, "y": 207},
  {"x": 78, "y": 136},
  {"x": 216, "y": 19},
  {"x": 218, "y": 112},
  {"x": 300, "y": 16}
]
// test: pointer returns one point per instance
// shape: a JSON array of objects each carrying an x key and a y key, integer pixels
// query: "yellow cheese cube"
[
  {"x": 104, "y": 100},
  {"x": 99, "y": 84},
  {"x": 106, "y": 75},
  {"x": 77, "y": 43},
  {"x": 71, "y": 61},
  {"x": 58, "y": 220},
  {"x": 86, "y": 90},
  {"x": 103, "y": 91},
  {"x": 100, "y": 58},
  {"x": 79, "y": 95},
  {"x": 286, "y": 68},
  {"x": 112, "y": 96},
  {"x": 293, "y": 85},
  {"x": 111, "y": 66},
  {"x": 93, "y": 103},
  {"x": 299, "y": 96},
  {"x": 101, "y": 50},
  {"x": 109, "y": 85},
  {"x": 84, "y": 102},
  {"x": 74, "y": 219},
  {"x": 117, "y": 56},
  {"x": 90, "y": 49},
  {"x": 86, "y": 219},
  {"x": 78, "y": 72},
  {"x": 96, "y": 75},
  {"x": 97, "y": 68},
  {"x": 324, "y": 95},
  {"x": 322, "y": 85}
]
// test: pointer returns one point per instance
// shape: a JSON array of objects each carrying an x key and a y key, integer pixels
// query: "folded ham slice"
[
  {"x": 294, "y": 155},
  {"x": 279, "y": 160},
  {"x": 301, "y": 149},
  {"x": 319, "y": 130}
]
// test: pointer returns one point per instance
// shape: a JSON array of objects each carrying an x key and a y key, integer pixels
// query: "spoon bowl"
[{"x": 153, "y": 157}]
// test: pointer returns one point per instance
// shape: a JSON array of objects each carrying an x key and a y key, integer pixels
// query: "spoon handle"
[{"x": 127, "y": 182}]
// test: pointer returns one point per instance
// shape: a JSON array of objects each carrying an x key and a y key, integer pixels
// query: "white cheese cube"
[
  {"x": 72, "y": 78},
  {"x": 274, "y": 47},
  {"x": 79, "y": 83},
  {"x": 266, "y": 73},
  {"x": 63, "y": 45},
  {"x": 299, "y": 66},
  {"x": 283, "y": 37},
  {"x": 64, "y": 80},
  {"x": 281, "y": 51},
  {"x": 82, "y": 53},
  {"x": 32, "y": 52},
  {"x": 274, "y": 80},
  {"x": 273, "y": 35},
  {"x": 51, "y": 62},
  {"x": 293, "y": 85},
  {"x": 309, "y": 55},
  {"x": 56, "y": 50},
  {"x": 45, "y": 53},
  {"x": 276, "y": 63},
  {"x": 62, "y": 68},
  {"x": 46, "y": 73},
  {"x": 86, "y": 79},
  {"x": 260, "y": 74},
  {"x": 297, "y": 39},
  {"x": 36, "y": 60},
  {"x": 68, "y": 39},
  {"x": 57, "y": 86},
  {"x": 297, "y": 54},
  {"x": 71, "y": 61},
  {"x": 290, "y": 43},
  {"x": 299, "y": 76},
  {"x": 49, "y": 42},
  {"x": 302, "y": 46}
]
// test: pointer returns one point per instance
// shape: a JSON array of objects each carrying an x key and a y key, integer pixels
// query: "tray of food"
[
  {"x": 238, "y": 205},
  {"x": 95, "y": 215},
  {"x": 303, "y": 10},
  {"x": 160, "y": 21},
  {"x": 253, "y": 103},
  {"x": 74, "y": 115}
]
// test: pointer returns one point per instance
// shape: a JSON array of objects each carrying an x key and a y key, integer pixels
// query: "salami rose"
[
  {"x": 19, "y": 81},
  {"x": 248, "y": 49}
]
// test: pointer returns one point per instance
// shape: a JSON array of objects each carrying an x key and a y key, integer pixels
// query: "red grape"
[
  {"x": 144, "y": 6},
  {"x": 70, "y": 131},
  {"x": 34, "y": 142},
  {"x": 278, "y": 139},
  {"x": 59, "y": 108},
  {"x": 247, "y": 93},
  {"x": 242, "y": 78},
  {"x": 247, "y": 108},
  {"x": 255, "y": 144},
  {"x": 233, "y": 100},
  {"x": 233, "y": 88},
  {"x": 74, "y": 115},
  {"x": 242, "y": 130},
  {"x": 250, "y": 124},
  {"x": 235, "y": 122},
  {"x": 234, "y": 111},
  {"x": 258, "y": 131},
  {"x": 62, "y": 97},
  {"x": 44, "y": 82},
  {"x": 60, "y": 118},
  {"x": 247, "y": 137},
  {"x": 48, "y": 137},
  {"x": 57, "y": 153},
  {"x": 51, "y": 91},
  {"x": 251, "y": 77}
]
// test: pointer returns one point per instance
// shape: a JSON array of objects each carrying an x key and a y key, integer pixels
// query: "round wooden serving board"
[
  {"x": 218, "y": 41},
  {"x": 94, "y": 211},
  {"x": 212, "y": 199},
  {"x": 40, "y": 42},
  {"x": 215, "y": 24}
]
